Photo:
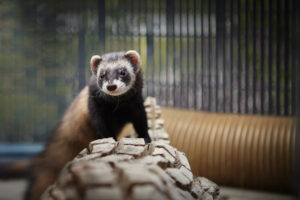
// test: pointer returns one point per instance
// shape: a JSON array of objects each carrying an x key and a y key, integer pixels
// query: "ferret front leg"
[
  {"x": 140, "y": 122},
  {"x": 102, "y": 129}
]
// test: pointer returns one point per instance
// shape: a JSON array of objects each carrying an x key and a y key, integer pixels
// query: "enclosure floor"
[
  {"x": 13, "y": 190},
  {"x": 228, "y": 193}
]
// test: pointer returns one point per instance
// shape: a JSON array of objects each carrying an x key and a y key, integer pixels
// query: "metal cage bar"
[{"x": 235, "y": 56}]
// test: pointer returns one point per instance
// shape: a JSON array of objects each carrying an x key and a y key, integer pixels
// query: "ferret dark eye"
[
  {"x": 102, "y": 75},
  {"x": 123, "y": 73}
]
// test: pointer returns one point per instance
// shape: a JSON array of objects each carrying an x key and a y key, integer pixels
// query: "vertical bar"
[
  {"x": 202, "y": 54},
  {"x": 56, "y": 64},
  {"x": 149, "y": 46},
  {"x": 209, "y": 56},
  {"x": 231, "y": 55},
  {"x": 101, "y": 24},
  {"x": 219, "y": 51},
  {"x": 239, "y": 57},
  {"x": 195, "y": 56},
  {"x": 139, "y": 24},
  {"x": 224, "y": 55},
  {"x": 286, "y": 57},
  {"x": 188, "y": 53},
  {"x": 174, "y": 55},
  {"x": 294, "y": 69},
  {"x": 278, "y": 56},
  {"x": 118, "y": 25},
  {"x": 81, "y": 49},
  {"x": 26, "y": 100},
  {"x": 132, "y": 25},
  {"x": 11, "y": 89},
  {"x": 152, "y": 57},
  {"x": 180, "y": 53},
  {"x": 169, "y": 7},
  {"x": 160, "y": 51},
  {"x": 43, "y": 72},
  {"x": 111, "y": 12},
  {"x": 167, "y": 57},
  {"x": 254, "y": 57},
  {"x": 124, "y": 11},
  {"x": 262, "y": 51},
  {"x": 246, "y": 54},
  {"x": 79, "y": 68},
  {"x": 217, "y": 11},
  {"x": 24, "y": 89},
  {"x": 270, "y": 71},
  {"x": 295, "y": 60},
  {"x": 3, "y": 121},
  {"x": 13, "y": 93}
]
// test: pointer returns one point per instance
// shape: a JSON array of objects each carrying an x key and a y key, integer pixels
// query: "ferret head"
[{"x": 116, "y": 72}]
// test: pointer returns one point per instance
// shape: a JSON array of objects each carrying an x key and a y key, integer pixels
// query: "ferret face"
[
  {"x": 115, "y": 78},
  {"x": 115, "y": 72}
]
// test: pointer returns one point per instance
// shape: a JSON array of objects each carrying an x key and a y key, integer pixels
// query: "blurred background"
[
  {"x": 231, "y": 56},
  {"x": 224, "y": 56}
]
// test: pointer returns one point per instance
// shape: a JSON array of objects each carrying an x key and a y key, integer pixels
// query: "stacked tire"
[
  {"x": 129, "y": 169},
  {"x": 132, "y": 170}
]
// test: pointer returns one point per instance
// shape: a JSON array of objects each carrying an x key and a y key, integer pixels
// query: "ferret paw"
[{"x": 147, "y": 140}]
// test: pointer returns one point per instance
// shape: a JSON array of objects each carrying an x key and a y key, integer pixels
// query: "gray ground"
[{"x": 13, "y": 190}]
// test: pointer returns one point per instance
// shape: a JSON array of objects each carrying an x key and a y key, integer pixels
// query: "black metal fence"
[
  {"x": 224, "y": 56},
  {"x": 235, "y": 56}
]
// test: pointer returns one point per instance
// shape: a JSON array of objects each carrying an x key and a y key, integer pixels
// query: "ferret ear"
[
  {"x": 95, "y": 61},
  {"x": 134, "y": 57}
]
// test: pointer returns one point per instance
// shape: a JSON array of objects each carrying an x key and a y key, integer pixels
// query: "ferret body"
[{"x": 112, "y": 99}]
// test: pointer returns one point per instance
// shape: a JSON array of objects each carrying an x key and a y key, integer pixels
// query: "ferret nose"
[{"x": 111, "y": 87}]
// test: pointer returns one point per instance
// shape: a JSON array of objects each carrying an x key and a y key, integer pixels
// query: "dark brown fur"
[{"x": 72, "y": 135}]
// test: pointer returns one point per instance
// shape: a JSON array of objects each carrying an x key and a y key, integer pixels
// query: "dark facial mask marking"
[{"x": 118, "y": 73}]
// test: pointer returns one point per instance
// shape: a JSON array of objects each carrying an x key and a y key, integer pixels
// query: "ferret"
[{"x": 112, "y": 99}]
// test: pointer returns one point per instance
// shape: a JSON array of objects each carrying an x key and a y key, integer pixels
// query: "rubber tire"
[{"x": 129, "y": 169}]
